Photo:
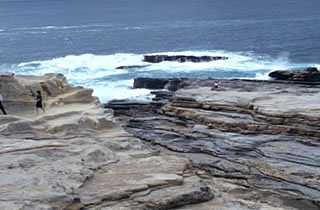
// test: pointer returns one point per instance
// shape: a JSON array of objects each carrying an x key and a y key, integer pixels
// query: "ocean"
[{"x": 86, "y": 40}]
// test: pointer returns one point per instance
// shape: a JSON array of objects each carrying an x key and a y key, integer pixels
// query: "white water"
[{"x": 99, "y": 71}]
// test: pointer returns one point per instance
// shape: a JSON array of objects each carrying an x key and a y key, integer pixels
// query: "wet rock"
[
  {"x": 282, "y": 74},
  {"x": 162, "y": 95},
  {"x": 181, "y": 58},
  {"x": 310, "y": 74},
  {"x": 150, "y": 83},
  {"x": 132, "y": 67},
  {"x": 171, "y": 84}
]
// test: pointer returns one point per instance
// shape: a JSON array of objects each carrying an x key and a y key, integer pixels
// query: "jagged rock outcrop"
[
  {"x": 310, "y": 74},
  {"x": 255, "y": 143},
  {"x": 171, "y": 84},
  {"x": 76, "y": 156},
  {"x": 181, "y": 58}
]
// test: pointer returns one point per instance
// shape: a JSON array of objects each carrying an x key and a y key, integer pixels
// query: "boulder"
[
  {"x": 281, "y": 74},
  {"x": 310, "y": 74}
]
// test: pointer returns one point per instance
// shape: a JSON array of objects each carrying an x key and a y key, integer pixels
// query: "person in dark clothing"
[
  {"x": 1, "y": 106},
  {"x": 39, "y": 102}
]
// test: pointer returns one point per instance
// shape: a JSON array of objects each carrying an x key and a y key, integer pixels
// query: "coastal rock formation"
[
  {"x": 171, "y": 84},
  {"x": 255, "y": 143},
  {"x": 181, "y": 58},
  {"x": 245, "y": 145},
  {"x": 74, "y": 106},
  {"x": 132, "y": 67},
  {"x": 76, "y": 156},
  {"x": 310, "y": 74}
]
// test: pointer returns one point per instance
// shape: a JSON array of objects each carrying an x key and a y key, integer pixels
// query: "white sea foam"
[
  {"x": 121, "y": 90},
  {"x": 99, "y": 71}
]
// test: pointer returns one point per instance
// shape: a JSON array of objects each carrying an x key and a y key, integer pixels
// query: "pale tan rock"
[{"x": 75, "y": 155}]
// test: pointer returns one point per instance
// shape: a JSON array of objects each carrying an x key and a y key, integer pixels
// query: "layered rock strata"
[
  {"x": 256, "y": 143},
  {"x": 76, "y": 156}
]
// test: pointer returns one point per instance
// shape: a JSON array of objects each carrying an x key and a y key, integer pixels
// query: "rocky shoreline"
[{"x": 245, "y": 145}]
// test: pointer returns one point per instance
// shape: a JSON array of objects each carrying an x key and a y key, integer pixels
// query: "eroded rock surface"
[
  {"x": 256, "y": 143},
  {"x": 76, "y": 156},
  {"x": 244, "y": 145}
]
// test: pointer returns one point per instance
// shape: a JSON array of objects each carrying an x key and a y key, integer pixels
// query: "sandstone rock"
[
  {"x": 76, "y": 155},
  {"x": 6, "y": 76}
]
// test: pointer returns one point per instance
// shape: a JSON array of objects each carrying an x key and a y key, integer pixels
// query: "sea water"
[{"x": 86, "y": 40}]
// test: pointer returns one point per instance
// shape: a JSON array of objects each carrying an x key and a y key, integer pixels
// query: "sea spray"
[{"x": 100, "y": 71}]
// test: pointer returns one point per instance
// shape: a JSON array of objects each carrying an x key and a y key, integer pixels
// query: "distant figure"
[
  {"x": 216, "y": 85},
  {"x": 1, "y": 106},
  {"x": 39, "y": 102}
]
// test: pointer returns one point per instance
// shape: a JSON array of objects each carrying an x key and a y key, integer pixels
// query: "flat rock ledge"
[
  {"x": 255, "y": 143},
  {"x": 77, "y": 156}
]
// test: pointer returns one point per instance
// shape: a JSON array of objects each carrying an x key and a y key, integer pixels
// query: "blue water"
[{"x": 93, "y": 37}]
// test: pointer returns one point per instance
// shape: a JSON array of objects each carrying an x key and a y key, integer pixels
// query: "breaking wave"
[{"x": 100, "y": 71}]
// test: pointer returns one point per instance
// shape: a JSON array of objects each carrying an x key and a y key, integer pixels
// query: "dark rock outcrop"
[
  {"x": 310, "y": 74},
  {"x": 132, "y": 67},
  {"x": 158, "y": 83},
  {"x": 150, "y": 83},
  {"x": 181, "y": 58}
]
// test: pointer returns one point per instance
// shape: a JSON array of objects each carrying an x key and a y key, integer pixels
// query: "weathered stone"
[
  {"x": 76, "y": 155},
  {"x": 261, "y": 135}
]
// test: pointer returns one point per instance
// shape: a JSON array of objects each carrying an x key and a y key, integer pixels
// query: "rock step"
[{"x": 241, "y": 120}]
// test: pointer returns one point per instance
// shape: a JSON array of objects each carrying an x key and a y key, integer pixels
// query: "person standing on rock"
[
  {"x": 39, "y": 102},
  {"x": 1, "y": 106},
  {"x": 216, "y": 85}
]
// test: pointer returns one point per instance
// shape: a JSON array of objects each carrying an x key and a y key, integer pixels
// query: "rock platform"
[
  {"x": 77, "y": 156},
  {"x": 256, "y": 143},
  {"x": 244, "y": 145}
]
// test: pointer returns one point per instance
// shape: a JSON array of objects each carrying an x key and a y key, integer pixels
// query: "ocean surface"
[{"x": 87, "y": 40}]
